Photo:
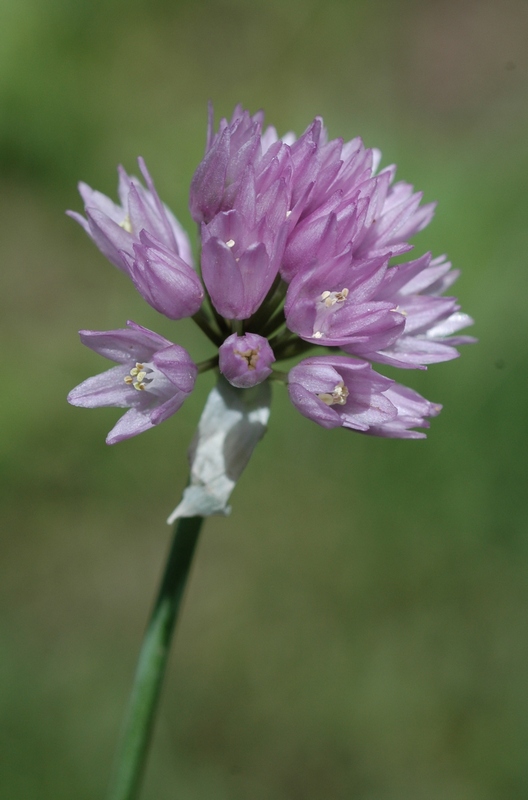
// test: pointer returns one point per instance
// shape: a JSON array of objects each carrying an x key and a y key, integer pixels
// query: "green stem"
[
  {"x": 203, "y": 322},
  {"x": 139, "y": 720}
]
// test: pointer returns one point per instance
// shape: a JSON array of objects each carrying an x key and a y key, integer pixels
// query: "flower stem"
[{"x": 139, "y": 720}]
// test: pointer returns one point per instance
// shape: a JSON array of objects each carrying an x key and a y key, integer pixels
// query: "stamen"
[
  {"x": 251, "y": 356},
  {"x": 318, "y": 335},
  {"x": 230, "y": 243},
  {"x": 331, "y": 298},
  {"x": 136, "y": 377},
  {"x": 126, "y": 224},
  {"x": 336, "y": 398}
]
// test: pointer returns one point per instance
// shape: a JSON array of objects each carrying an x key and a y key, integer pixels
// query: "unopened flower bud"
[{"x": 245, "y": 360}]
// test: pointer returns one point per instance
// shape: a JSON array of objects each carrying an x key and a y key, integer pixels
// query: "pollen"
[
  {"x": 126, "y": 224},
  {"x": 336, "y": 398},
  {"x": 331, "y": 298},
  {"x": 250, "y": 356},
  {"x": 136, "y": 377}
]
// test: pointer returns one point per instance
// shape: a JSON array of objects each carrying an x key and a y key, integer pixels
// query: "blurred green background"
[{"x": 358, "y": 627}]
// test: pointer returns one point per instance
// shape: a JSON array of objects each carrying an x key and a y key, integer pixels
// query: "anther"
[
  {"x": 136, "y": 377},
  {"x": 336, "y": 398},
  {"x": 400, "y": 311},
  {"x": 126, "y": 224},
  {"x": 331, "y": 298},
  {"x": 250, "y": 356},
  {"x": 230, "y": 243}
]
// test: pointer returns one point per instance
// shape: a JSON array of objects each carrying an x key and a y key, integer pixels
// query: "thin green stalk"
[
  {"x": 203, "y": 322},
  {"x": 139, "y": 720}
]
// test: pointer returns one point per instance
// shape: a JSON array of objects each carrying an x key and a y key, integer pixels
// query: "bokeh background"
[{"x": 358, "y": 627}]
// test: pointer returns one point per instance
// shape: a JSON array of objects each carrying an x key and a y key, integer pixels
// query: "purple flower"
[
  {"x": 414, "y": 290},
  {"x": 152, "y": 380},
  {"x": 237, "y": 145},
  {"x": 297, "y": 238},
  {"x": 243, "y": 247},
  {"x": 346, "y": 204},
  {"x": 337, "y": 391},
  {"x": 143, "y": 239},
  {"x": 166, "y": 282},
  {"x": 245, "y": 360},
  {"x": 333, "y": 305}
]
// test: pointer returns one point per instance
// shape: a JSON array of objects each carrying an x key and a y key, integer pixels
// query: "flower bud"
[{"x": 245, "y": 360}]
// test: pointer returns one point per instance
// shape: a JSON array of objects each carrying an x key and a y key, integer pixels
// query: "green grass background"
[{"x": 358, "y": 627}]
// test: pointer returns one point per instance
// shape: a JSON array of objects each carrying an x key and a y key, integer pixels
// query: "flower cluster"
[{"x": 297, "y": 237}]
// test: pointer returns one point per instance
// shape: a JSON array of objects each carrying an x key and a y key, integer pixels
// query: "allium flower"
[
  {"x": 152, "y": 380},
  {"x": 339, "y": 391},
  {"x": 415, "y": 289},
  {"x": 297, "y": 239},
  {"x": 246, "y": 360},
  {"x": 142, "y": 238}
]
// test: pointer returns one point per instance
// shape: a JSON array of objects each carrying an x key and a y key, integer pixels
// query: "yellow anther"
[
  {"x": 126, "y": 224},
  {"x": 139, "y": 373},
  {"x": 331, "y": 298},
  {"x": 336, "y": 398},
  {"x": 250, "y": 356}
]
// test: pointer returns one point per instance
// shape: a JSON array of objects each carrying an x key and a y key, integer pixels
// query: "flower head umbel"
[{"x": 298, "y": 237}]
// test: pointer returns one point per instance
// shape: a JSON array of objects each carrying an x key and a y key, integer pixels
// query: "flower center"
[
  {"x": 250, "y": 356},
  {"x": 331, "y": 298},
  {"x": 328, "y": 303},
  {"x": 137, "y": 377},
  {"x": 336, "y": 398}
]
